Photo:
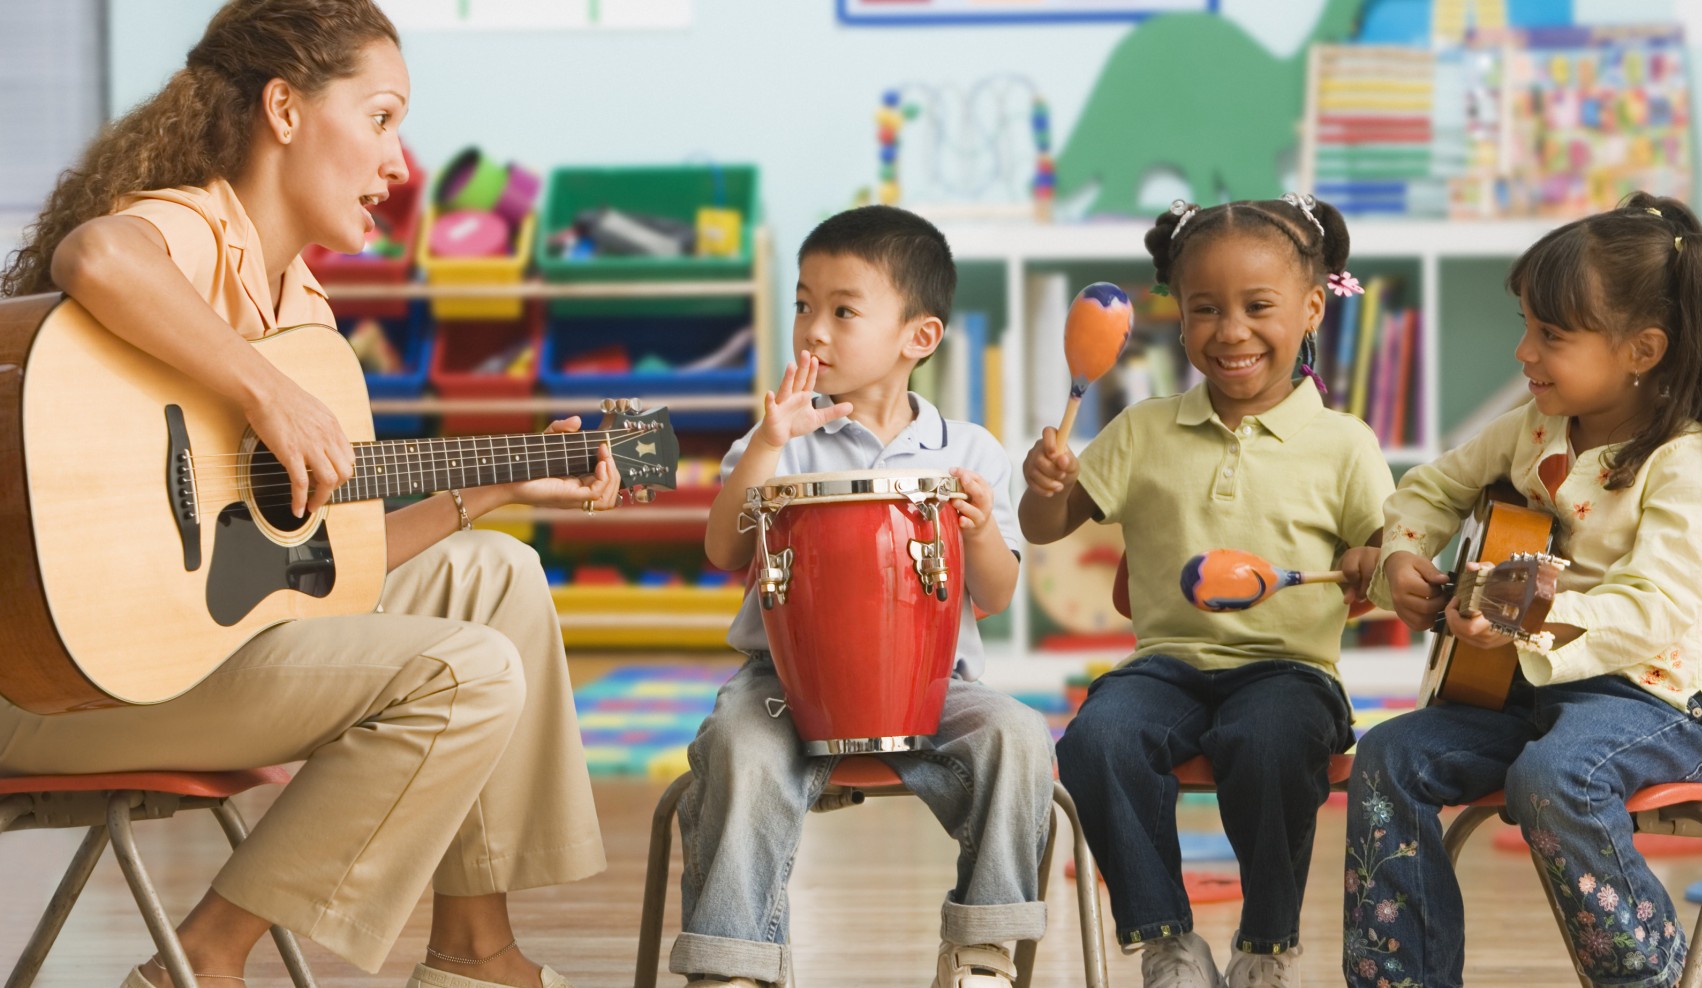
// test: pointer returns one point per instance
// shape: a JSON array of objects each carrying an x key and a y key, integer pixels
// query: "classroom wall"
[{"x": 776, "y": 82}]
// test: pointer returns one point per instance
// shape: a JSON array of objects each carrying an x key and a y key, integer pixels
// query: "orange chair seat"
[
  {"x": 216, "y": 785},
  {"x": 1649, "y": 798},
  {"x": 863, "y": 772}
]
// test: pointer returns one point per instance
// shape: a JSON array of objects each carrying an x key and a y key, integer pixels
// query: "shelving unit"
[
  {"x": 613, "y": 615},
  {"x": 1007, "y": 254}
]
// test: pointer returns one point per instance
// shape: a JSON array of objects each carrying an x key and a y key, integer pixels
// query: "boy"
[{"x": 875, "y": 288}]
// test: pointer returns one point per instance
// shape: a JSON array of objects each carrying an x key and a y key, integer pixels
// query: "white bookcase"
[{"x": 1017, "y": 250}]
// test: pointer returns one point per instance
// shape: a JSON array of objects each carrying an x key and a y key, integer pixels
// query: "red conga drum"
[{"x": 860, "y": 576}]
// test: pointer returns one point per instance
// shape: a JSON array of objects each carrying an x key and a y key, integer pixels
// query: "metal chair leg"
[
  {"x": 656, "y": 882},
  {"x": 1692, "y": 976},
  {"x": 147, "y": 899},
  {"x": 1559, "y": 916},
  {"x": 58, "y": 908},
  {"x": 1455, "y": 837},
  {"x": 1026, "y": 949},
  {"x": 236, "y": 831},
  {"x": 1087, "y": 895}
]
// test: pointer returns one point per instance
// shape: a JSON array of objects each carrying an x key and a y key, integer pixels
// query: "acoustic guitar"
[
  {"x": 1514, "y": 596},
  {"x": 146, "y": 534}
]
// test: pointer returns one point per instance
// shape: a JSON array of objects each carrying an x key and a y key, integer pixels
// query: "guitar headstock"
[
  {"x": 1514, "y": 597},
  {"x": 646, "y": 451}
]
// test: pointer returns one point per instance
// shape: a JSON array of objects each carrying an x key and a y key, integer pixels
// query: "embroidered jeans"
[{"x": 1568, "y": 756}]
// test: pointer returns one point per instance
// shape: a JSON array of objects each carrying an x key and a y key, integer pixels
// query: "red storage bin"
[
  {"x": 402, "y": 212},
  {"x": 475, "y": 358}
]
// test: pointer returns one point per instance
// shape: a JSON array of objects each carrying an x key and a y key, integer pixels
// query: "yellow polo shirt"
[
  {"x": 211, "y": 238},
  {"x": 1635, "y": 583},
  {"x": 1299, "y": 485}
]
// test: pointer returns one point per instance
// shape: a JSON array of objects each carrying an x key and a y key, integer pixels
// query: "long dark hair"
[
  {"x": 1618, "y": 273},
  {"x": 197, "y": 128}
]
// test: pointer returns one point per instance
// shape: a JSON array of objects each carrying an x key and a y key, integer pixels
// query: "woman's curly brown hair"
[{"x": 197, "y": 128}]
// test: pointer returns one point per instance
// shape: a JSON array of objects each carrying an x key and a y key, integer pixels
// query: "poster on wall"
[
  {"x": 934, "y": 12},
  {"x": 538, "y": 15}
]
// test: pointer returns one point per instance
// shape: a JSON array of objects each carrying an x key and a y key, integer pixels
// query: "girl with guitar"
[
  {"x": 439, "y": 735},
  {"x": 1608, "y": 701}
]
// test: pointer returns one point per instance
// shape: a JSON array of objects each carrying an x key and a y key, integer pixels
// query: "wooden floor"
[{"x": 865, "y": 902}]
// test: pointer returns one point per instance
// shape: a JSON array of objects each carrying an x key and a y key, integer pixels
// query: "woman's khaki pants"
[{"x": 439, "y": 738}]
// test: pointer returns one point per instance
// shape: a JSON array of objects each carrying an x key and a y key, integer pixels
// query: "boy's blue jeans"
[
  {"x": 988, "y": 780},
  {"x": 1568, "y": 756},
  {"x": 1269, "y": 729}
]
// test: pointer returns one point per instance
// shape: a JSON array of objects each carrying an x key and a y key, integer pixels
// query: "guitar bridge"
[{"x": 180, "y": 487}]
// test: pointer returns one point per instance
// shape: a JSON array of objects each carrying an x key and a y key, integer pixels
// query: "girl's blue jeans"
[
  {"x": 1568, "y": 756},
  {"x": 1269, "y": 729}
]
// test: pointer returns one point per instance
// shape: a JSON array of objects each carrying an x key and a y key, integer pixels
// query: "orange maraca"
[
  {"x": 1232, "y": 580},
  {"x": 1095, "y": 332}
]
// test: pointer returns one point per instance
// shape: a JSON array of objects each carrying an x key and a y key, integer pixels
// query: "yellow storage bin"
[
  {"x": 620, "y": 616},
  {"x": 505, "y": 270}
]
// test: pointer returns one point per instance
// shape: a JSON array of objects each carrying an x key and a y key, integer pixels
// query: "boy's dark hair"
[
  {"x": 910, "y": 250},
  {"x": 1619, "y": 272},
  {"x": 1323, "y": 252}
]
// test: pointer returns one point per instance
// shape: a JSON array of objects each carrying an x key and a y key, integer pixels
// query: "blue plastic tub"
[
  {"x": 660, "y": 351},
  {"x": 411, "y": 335}
]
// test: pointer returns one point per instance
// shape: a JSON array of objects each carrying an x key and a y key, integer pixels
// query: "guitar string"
[
  {"x": 583, "y": 438},
  {"x": 496, "y": 457},
  {"x": 215, "y": 491}
]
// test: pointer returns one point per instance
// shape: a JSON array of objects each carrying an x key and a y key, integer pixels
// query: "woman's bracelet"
[{"x": 461, "y": 509}]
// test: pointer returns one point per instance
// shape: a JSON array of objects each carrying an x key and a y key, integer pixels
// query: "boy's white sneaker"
[
  {"x": 984, "y": 965},
  {"x": 1264, "y": 970},
  {"x": 1179, "y": 962}
]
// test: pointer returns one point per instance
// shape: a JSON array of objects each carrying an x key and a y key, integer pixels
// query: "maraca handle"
[
  {"x": 1326, "y": 576},
  {"x": 1069, "y": 421}
]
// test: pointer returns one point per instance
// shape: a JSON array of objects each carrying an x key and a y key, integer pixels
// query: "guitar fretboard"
[{"x": 398, "y": 467}]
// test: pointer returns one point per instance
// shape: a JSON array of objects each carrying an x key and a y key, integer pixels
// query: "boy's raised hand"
[
  {"x": 790, "y": 412},
  {"x": 1414, "y": 583},
  {"x": 975, "y": 512},
  {"x": 1050, "y": 467}
]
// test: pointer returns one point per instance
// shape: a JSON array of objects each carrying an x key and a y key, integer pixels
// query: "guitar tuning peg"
[
  {"x": 643, "y": 495},
  {"x": 635, "y": 404},
  {"x": 623, "y": 405},
  {"x": 607, "y": 405}
]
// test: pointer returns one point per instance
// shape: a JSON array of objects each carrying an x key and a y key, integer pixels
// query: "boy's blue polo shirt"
[{"x": 929, "y": 441}]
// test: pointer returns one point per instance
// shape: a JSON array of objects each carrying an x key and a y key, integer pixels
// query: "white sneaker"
[
  {"x": 1264, "y": 970},
  {"x": 724, "y": 983},
  {"x": 984, "y": 965},
  {"x": 1179, "y": 962}
]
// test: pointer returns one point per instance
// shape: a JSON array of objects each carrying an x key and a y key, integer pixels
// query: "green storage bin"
[{"x": 674, "y": 191}]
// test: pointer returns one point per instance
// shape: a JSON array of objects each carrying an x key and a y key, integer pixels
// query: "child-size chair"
[
  {"x": 106, "y": 804},
  {"x": 856, "y": 778}
]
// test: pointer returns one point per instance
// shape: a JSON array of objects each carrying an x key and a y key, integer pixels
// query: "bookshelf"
[
  {"x": 999, "y": 264},
  {"x": 603, "y": 612}
]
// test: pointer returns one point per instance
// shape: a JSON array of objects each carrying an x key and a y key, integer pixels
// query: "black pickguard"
[{"x": 247, "y": 566}]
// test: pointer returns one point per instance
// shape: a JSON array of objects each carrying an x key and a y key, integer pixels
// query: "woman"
[{"x": 439, "y": 736}]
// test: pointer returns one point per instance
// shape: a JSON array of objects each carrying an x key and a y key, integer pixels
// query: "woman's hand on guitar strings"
[
  {"x": 600, "y": 489},
  {"x": 307, "y": 439}
]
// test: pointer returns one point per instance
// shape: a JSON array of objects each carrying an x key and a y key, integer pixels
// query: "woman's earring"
[
  {"x": 1636, "y": 380},
  {"x": 286, "y": 135}
]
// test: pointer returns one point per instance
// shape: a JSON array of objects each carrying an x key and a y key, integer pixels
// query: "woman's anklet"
[{"x": 469, "y": 961}]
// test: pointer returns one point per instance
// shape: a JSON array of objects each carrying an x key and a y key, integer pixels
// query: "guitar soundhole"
[{"x": 271, "y": 488}]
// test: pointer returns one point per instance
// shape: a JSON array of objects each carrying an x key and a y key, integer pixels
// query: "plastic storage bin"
[
  {"x": 676, "y": 192},
  {"x": 463, "y": 347},
  {"x": 402, "y": 212},
  {"x": 675, "y": 341},
  {"x": 505, "y": 270},
  {"x": 411, "y": 336}
]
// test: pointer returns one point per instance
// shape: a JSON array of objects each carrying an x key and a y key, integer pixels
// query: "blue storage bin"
[
  {"x": 674, "y": 341},
  {"x": 412, "y": 337}
]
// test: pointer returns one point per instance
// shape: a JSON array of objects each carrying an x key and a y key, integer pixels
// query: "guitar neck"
[{"x": 401, "y": 467}]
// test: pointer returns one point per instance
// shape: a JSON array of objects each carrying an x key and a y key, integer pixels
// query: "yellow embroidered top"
[{"x": 1635, "y": 583}]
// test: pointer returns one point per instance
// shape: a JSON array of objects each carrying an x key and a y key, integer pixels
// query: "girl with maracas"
[{"x": 1249, "y": 459}]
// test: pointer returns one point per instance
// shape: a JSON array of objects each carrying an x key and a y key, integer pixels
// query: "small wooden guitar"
[
  {"x": 1514, "y": 596},
  {"x": 145, "y": 533}
]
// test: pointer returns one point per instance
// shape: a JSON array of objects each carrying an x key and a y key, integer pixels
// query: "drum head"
[{"x": 857, "y": 485}]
